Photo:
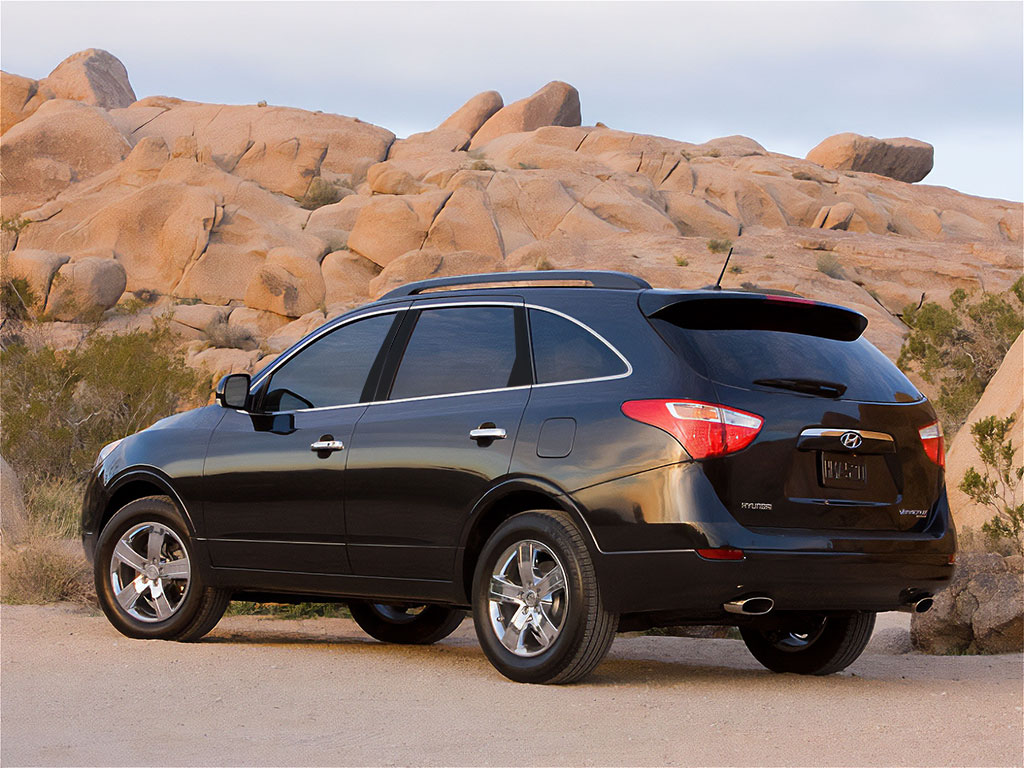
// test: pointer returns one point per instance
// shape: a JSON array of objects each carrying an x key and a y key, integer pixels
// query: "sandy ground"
[{"x": 262, "y": 691}]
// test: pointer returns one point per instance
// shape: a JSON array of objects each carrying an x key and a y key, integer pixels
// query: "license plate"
[{"x": 840, "y": 471}]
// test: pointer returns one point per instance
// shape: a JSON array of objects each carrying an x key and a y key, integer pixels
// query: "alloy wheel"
[
  {"x": 150, "y": 572},
  {"x": 528, "y": 599}
]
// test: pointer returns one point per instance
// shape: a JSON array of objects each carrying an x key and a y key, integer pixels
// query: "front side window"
[
  {"x": 330, "y": 371},
  {"x": 565, "y": 351},
  {"x": 458, "y": 349}
]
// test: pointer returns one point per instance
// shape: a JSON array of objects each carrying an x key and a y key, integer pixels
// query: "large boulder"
[
  {"x": 474, "y": 113},
  {"x": 19, "y": 98},
  {"x": 1003, "y": 397},
  {"x": 94, "y": 77},
  {"x": 557, "y": 103},
  {"x": 37, "y": 268},
  {"x": 61, "y": 143},
  {"x": 288, "y": 284},
  {"x": 981, "y": 611},
  {"x": 420, "y": 265},
  {"x": 391, "y": 225},
  {"x": 902, "y": 159},
  {"x": 84, "y": 289},
  {"x": 347, "y": 278},
  {"x": 465, "y": 223}
]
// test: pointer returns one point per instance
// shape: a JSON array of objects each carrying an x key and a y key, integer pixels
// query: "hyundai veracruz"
[{"x": 566, "y": 455}]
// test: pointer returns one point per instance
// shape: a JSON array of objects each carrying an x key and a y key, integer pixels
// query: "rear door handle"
[
  {"x": 327, "y": 445},
  {"x": 487, "y": 433}
]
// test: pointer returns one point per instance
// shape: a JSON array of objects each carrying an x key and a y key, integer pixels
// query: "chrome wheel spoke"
[
  {"x": 553, "y": 581},
  {"x": 155, "y": 544},
  {"x": 544, "y": 627},
  {"x": 129, "y": 595},
  {"x": 175, "y": 569},
  {"x": 504, "y": 591},
  {"x": 513, "y": 637},
  {"x": 527, "y": 554},
  {"x": 129, "y": 556},
  {"x": 160, "y": 604}
]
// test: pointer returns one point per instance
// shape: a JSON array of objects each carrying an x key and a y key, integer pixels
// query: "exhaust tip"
[
  {"x": 750, "y": 606},
  {"x": 923, "y": 605}
]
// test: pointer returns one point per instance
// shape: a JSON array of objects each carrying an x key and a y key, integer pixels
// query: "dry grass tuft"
[{"x": 45, "y": 570}]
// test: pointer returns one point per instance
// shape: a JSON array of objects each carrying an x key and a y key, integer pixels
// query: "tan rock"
[
  {"x": 61, "y": 143},
  {"x": 37, "y": 268},
  {"x": 465, "y": 223},
  {"x": 288, "y": 284},
  {"x": 902, "y": 159},
  {"x": 84, "y": 289},
  {"x": 836, "y": 216},
  {"x": 17, "y": 99},
  {"x": 198, "y": 316},
  {"x": 419, "y": 265},
  {"x": 287, "y": 335},
  {"x": 437, "y": 141},
  {"x": 731, "y": 146},
  {"x": 556, "y": 103},
  {"x": 613, "y": 202},
  {"x": 258, "y": 323},
  {"x": 219, "y": 362},
  {"x": 474, "y": 113},
  {"x": 347, "y": 277},
  {"x": 338, "y": 216},
  {"x": 696, "y": 217},
  {"x": 387, "y": 179},
  {"x": 94, "y": 77},
  {"x": 13, "y": 518},
  {"x": 1004, "y": 396},
  {"x": 390, "y": 225}
]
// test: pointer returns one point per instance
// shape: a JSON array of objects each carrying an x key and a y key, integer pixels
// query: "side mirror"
[{"x": 233, "y": 391}]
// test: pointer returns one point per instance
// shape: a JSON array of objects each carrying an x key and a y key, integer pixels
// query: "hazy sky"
[{"x": 786, "y": 74}]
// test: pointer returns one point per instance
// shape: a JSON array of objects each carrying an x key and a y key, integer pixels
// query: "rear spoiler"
[{"x": 733, "y": 311}]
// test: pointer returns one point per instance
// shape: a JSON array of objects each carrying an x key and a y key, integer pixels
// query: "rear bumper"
[{"x": 685, "y": 583}]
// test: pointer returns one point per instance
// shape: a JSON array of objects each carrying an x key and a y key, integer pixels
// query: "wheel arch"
[
  {"x": 137, "y": 483},
  {"x": 501, "y": 502}
]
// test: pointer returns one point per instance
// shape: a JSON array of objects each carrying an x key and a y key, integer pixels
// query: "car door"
[
  {"x": 274, "y": 478},
  {"x": 442, "y": 432}
]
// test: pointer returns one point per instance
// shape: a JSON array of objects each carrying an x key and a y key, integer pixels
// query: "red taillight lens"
[
  {"x": 721, "y": 553},
  {"x": 705, "y": 430},
  {"x": 931, "y": 438}
]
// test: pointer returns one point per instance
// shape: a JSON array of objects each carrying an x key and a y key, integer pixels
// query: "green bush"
[
  {"x": 322, "y": 192},
  {"x": 719, "y": 246},
  {"x": 961, "y": 348},
  {"x": 998, "y": 484},
  {"x": 60, "y": 407},
  {"x": 16, "y": 299}
]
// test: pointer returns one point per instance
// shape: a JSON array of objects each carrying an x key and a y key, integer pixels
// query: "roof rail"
[{"x": 596, "y": 278}]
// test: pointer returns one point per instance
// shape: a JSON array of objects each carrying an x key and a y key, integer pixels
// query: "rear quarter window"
[
  {"x": 737, "y": 358},
  {"x": 566, "y": 351}
]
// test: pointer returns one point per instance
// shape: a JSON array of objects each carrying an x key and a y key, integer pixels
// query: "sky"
[{"x": 785, "y": 74}]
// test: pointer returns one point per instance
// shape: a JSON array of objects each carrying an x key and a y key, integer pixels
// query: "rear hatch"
[{"x": 841, "y": 445}]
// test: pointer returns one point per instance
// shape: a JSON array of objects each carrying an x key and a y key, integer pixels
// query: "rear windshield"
[{"x": 739, "y": 358}]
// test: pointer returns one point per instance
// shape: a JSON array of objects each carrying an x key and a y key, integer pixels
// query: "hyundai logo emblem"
[{"x": 851, "y": 440}]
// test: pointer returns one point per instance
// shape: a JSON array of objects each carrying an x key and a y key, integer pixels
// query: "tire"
[
  {"x": 174, "y": 603},
  {"x": 556, "y": 630},
  {"x": 406, "y": 624},
  {"x": 811, "y": 644}
]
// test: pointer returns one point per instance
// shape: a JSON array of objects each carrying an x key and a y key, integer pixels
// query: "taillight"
[
  {"x": 721, "y": 553},
  {"x": 931, "y": 438},
  {"x": 705, "y": 430}
]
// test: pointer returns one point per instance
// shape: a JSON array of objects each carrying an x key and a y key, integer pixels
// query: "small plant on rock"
[
  {"x": 719, "y": 246},
  {"x": 997, "y": 486},
  {"x": 321, "y": 192},
  {"x": 681, "y": 262}
]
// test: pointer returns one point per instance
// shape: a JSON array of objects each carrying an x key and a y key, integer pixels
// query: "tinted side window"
[
  {"x": 459, "y": 349},
  {"x": 565, "y": 351},
  {"x": 330, "y": 371}
]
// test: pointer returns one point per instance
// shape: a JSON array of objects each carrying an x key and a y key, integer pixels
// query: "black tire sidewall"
[
  {"x": 433, "y": 623},
  {"x": 547, "y": 665},
  {"x": 152, "y": 510},
  {"x": 818, "y": 658}
]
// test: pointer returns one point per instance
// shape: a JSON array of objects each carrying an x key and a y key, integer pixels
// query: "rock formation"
[{"x": 278, "y": 217}]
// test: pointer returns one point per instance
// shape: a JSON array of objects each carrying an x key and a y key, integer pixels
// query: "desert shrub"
[
  {"x": 46, "y": 570},
  {"x": 719, "y": 246},
  {"x": 321, "y": 192},
  {"x": 829, "y": 265},
  {"x": 480, "y": 165},
  {"x": 14, "y": 224},
  {"x": 16, "y": 298},
  {"x": 54, "y": 507},
  {"x": 681, "y": 262},
  {"x": 221, "y": 334},
  {"x": 736, "y": 269},
  {"x": 997, "y": 486},
  {"x": 961, "y": 348},
  {"x": 286, "y": 611},
  {"x": 60, "y": 408}
]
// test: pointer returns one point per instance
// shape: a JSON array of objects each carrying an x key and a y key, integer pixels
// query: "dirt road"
[{"x": 270, "y": 692}]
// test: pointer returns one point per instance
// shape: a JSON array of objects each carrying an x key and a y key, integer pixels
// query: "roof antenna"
[{"x": 718, "y": 283}]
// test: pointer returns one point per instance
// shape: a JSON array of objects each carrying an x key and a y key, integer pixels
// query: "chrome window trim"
[{"x": 270, "y": 370}]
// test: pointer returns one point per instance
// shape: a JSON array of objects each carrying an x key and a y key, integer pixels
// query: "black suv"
[{"x": 566, "y": 454}]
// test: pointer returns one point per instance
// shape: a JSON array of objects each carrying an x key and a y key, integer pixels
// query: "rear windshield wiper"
[{"x": 807, "y": 386}]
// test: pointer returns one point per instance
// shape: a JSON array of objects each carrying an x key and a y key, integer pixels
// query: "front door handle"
[
  {"x": 487, "y": 433},
  {"x": 327, "y": 446}
]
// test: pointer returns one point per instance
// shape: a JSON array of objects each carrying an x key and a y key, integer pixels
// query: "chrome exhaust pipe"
[
  {"x": 750, "y": 606},
  {"x": 919, "y": 606}
]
